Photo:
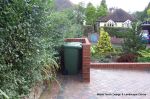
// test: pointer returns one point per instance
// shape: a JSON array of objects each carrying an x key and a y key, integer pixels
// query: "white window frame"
[
  {"x": 110, "y": 23},
  {"x": 127, "y": 24}
]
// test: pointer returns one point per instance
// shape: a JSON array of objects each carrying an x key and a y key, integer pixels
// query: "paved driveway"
[{"x": 105, "y": 84}]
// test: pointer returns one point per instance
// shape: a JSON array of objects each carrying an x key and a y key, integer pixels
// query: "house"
[{"x": 116, "y": 18}]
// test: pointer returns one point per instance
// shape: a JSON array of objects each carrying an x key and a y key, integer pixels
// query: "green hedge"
[
  {"x": 26, "y": 45},
  {"x": 31, "y": 32},
  {"x": 117, "y": 31}
]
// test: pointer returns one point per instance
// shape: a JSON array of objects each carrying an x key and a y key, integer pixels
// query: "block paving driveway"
[{"x": 104, "y": 84}]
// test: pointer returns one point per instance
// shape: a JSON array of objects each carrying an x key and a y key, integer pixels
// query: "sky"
[{"x": 127, "y": 5}]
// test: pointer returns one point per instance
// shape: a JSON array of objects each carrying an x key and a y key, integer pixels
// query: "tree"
[
  {"x": 142, "y": 16},
  {"x": 90, "y": 14},
  {"x": 75, "y": 17},
  {"x": 138, "y": 15},
  {"x": 79, "y": 12},
  {"x": 132, "y": 41},
  {"x": 104, "y": 44},
  {"x": 102, "y": 9},
  {"x": 148, "y": 13}
]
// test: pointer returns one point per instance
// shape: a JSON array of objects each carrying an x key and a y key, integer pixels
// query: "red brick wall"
[
  {"x": 85, "y": 56},
  {"x": 134, "y": 66},
  {"x": 86, "y": 64},
  {"x": 82, "y": 40}
]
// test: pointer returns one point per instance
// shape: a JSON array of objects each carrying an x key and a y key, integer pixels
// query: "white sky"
[{"x": 127, "y": 5}]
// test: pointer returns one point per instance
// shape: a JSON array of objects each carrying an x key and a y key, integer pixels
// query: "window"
[
  {"x": 110, "y": 23},
  {"x": 104, "y": 24},
  {"x": 127, "y": 24}
]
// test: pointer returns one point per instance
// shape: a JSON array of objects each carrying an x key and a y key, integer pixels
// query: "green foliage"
[
  {"x": 75, "y": 31},
  {"x": 132, "y": 41},
  {"x": 109, "y": 57},
  {"x": 148, "y": 12},
  {"x": 104, "y": 45},
  {"x": 138, "y": 15},
  {"x": 3, "y": 94},
  {"x": 56, "y": 28},
  {"x": 18, "y": 47},
  {"x": 117, "y": 31},
  {"x": 143, "y": 15},
  {"x": 102, "y": 9},
  {"x": 143, "y": 59},
  {"x": 79, "y": 13},
  {"x": 92, "y": 49},
  {"x": 90, "y": 14},
  {"x": 30, "y": 33},
  {"x": 70, "y": 22},
  {"x": 144, "y": 55}
]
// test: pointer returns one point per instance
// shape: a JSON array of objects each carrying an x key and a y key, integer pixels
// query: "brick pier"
[{"x": 85, "y": 56}]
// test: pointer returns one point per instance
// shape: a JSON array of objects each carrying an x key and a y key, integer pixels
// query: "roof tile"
[{"x": 118, "y": 15}]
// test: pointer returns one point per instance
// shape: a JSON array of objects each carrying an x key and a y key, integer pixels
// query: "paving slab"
[{"x": 104, "y": 84}]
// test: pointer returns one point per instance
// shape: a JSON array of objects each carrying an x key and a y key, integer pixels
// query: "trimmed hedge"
[
  {"x": 118, "y": 32},
  {"x": 26, "y": 46}
]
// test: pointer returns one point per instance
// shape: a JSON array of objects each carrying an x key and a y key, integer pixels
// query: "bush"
[
  {"x": 93, "y": 50},
  {"x": 74, "y": 21},
  {"x": 130, "y": 57},
  {"x": 118, "y": 32},
  {"x": 109, "y": 57},
  {"x": 144, "y": 55},
  {"x": 132, "y": 41},
  {"x": 88, "y": 29},
  {"x": 104, "y": 45},
  {"x": 31, "y": 34},
  {"x": 27, "y": 46}
]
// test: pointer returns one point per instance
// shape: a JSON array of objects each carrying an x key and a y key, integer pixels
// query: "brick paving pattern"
[{"x": 106, "y": 83}]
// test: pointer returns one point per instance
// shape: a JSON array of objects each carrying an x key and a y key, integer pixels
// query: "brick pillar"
[
  {"x": 85, "y": 56},
  {"x": 86, "y": 62}
]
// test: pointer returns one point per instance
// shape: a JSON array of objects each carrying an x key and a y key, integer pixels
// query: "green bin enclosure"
[{"x": 72, "y": 57}]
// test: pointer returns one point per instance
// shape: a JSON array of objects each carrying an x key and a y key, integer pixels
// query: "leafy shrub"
[
  {"x": 31, "y": 34},
  {"x": 3, "y": 94},
  {"x": 118, "y": 32},
  {"x": 143, "y": 59},
  {"x": 144, "y": 55},
  {"x": 127, "y": 58},
  {"x": 104, "y": 45},
  {"x": 75, "y": 31},
  {"x": 75, "y": 19},
  {"x": 93, "y": 50},
  {"x": 132, "y": 41},
  {"x": 27, "y": 46},
  {"x": 109, "y": 57},
  {"x": 100, "y": 58},
  {"x": 103, "y": 50},
  {"x": 88, "y": 29}
]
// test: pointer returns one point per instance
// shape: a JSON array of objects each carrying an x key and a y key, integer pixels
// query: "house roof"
[{"x": 118, "y": 15}]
